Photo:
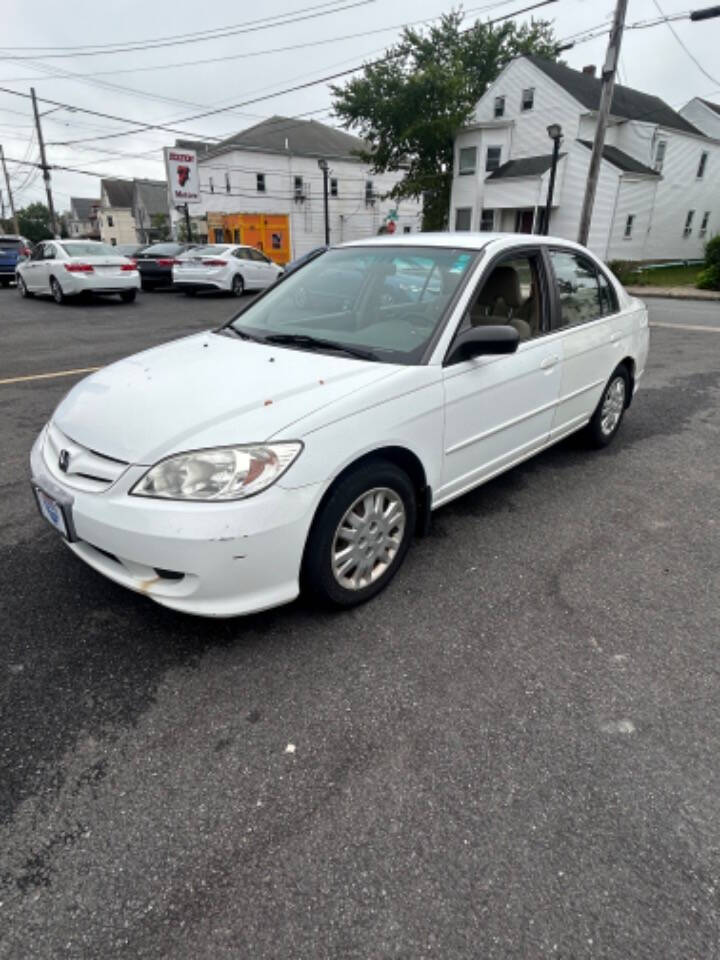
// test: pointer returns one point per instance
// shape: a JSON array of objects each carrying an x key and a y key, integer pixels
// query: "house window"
[
  {"x": 227, "y": 182},
  {"x": 260, "y": 181},
  {"x": 407, "y": 229},
  {"x": 463, "y": 218},
  {"x": 702, "y": 165},
  {"x": 527, "y": 101},
  {"x": 212, "y": 185},
  {"x": 688, "y": 223},
  {"x": 110, "y": 221},
  {"x": 629, "y": 225},
  {"x": 113, "y": 241},
  {"x": 704, "y": 223},
  {"x": 298, "y": 188},
  {"x": 467, "y": 161},
  {"x": 660, "y": 155},
  {"x": 492, "y": 158},
  {"x": 499, "y": 110},
  {"x": 369, "y": 193},
  {"x": 218, "y": 231},
  {"x": 333, "y": 187},
  {"x": 487, "y": 221}
]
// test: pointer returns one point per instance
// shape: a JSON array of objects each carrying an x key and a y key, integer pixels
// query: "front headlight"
[{"x": 224, "y": 473}]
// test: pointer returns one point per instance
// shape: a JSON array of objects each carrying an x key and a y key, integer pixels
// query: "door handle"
[
  {"x": 549, "y": 362},
  {"x": 614, "y": 337}
]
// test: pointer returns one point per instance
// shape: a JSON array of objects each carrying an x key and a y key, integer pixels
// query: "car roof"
[{"x": 461, "y": 239}]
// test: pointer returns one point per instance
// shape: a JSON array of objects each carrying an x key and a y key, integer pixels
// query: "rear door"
[
  {"x": 583, "y": 321},
  {"x": 30, "y": 272},
  {"x": 266, "y": 272},
  {"x": 247, "y": 267}
]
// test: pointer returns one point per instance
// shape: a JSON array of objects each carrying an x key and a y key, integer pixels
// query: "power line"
[
  {"x": 220, "y": 33},
  {"x": 694, "y": 59}
]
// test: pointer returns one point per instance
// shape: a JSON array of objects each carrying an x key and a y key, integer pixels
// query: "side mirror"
[{"x": 483, "y": 341}]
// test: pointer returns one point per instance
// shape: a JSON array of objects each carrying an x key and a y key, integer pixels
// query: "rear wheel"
[
  {"x": 238, "y": 286},
  {"x": 609, "y": 412},
  {"x": 127, "y": 296},
  {"x": 57, "y": 291},
  {"x": 360, "y": 536}
]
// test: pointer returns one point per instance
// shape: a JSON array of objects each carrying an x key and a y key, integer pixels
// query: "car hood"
[{"x": 206, "y": 390}]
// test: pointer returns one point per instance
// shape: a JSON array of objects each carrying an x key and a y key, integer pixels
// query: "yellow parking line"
[
  {"x": 49, "y": 376},
  {"x": 686, "y": 326}
]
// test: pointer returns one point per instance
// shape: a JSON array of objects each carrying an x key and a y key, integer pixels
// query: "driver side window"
[{"x": 511, "y": 294}]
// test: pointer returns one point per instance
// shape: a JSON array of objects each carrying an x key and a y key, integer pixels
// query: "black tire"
[
  {"x": 4, "y": 283},
  {"x": 602, "y": 428},
  {"x": 317, "y": 577},
  {"x": 57, "y": 291},
  {"x": 237, "y": 287},
  {"x": 22, "y": 288},
  {"x": 128, "y": 296}
]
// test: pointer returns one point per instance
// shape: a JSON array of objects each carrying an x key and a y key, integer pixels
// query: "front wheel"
[
  {"x": 57, "y": 291},
  {"x": 127, "y": 296},
  {"x": 609, "y": 412},
  {"x": 360, "y": 536},
  {"x": 238, "y": 286}
]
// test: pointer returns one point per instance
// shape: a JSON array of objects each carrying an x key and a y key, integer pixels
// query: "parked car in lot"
[
  {"x": 13, "y": 250},
  {"x": 224, "y": 266},
  {"x": 129, "y": 249},
  {"x": 304, "y": 444},
  {"x": 156, "y": 263},
  {"x": 66, "y": 268}
]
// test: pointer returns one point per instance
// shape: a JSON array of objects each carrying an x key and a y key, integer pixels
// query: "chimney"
[{"x": 589, "y": 70}]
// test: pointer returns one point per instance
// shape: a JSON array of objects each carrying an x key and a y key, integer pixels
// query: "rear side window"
[{"x": 578, "y": 289}]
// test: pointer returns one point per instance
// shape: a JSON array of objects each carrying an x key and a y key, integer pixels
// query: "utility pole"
[
  {"x": 188, "y": 225},
  {"x": 9, "y": 193},
  {"x": 323, "y": 164},
  {"x": 608, "y": 86},
  {"x": 44, "y": 166}
]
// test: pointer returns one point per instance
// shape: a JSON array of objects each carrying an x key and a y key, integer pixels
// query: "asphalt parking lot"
[{"x": 512, "y": 752}]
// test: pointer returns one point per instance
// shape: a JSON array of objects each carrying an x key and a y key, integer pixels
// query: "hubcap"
[
  {"x": 368, "y": 538},
  {"x": 613, "y": 406},
  {"x": 237, "y": 286},
  {"x": 56, "y": 291}
]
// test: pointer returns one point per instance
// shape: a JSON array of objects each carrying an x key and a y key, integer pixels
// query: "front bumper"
[{"x": 209, "y": 559}]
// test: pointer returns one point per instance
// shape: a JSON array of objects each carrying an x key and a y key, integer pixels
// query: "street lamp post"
[
  {"x": 555, "y": 134},
  {"x": 323, "y": 164}
]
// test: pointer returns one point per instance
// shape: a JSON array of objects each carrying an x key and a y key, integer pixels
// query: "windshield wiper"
[
  {"x": 317, "y": 343},
  {"x": 243, "y": 334}
]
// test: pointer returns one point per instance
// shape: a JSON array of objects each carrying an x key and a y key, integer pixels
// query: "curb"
[{"x": 675, "y": 293}]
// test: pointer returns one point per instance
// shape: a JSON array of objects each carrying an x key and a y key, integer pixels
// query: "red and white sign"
[{"x": 182, "y": 176}]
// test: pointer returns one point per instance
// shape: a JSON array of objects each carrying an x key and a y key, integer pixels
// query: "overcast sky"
[{"x": 652, "y": 60}]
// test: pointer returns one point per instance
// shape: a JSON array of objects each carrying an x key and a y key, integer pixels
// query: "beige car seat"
[{"x": 500, "y": 298}]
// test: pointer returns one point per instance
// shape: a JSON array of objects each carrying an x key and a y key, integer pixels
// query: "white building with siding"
[
  {"x": 704, "y": 115},
  {"x": 272, "y": 168},
  {"x": 658, "y": 194}
]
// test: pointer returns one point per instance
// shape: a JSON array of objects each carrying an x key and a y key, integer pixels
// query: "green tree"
[
  {"x": 709, "y": 278},
  {"x": 410, "y": 106},
  {"x": 160, "y": 225},
  {"x": 34, "y": 222}
]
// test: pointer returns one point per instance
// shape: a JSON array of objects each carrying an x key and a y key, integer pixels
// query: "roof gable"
[
  {"x": 82, "y": 207},
  {"x": 152, "y": 195},
  {"x": 715, "y": 107},
  {"x": 297, "y": 137},
  {"x": 626, "y": 103},
  {"x": 523, "y": 167},
  {"x": 119, "y": 193}
]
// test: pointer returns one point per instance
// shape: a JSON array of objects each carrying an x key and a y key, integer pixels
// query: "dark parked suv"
[{"x": 13, "y": 249}]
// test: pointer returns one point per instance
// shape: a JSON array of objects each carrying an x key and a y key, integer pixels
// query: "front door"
[
  {"x": 499, "y": 410},
  {"x": 524, "y": 221}
]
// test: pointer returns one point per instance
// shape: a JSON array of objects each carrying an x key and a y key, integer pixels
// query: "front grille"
[{"x": 86, "y": 469}]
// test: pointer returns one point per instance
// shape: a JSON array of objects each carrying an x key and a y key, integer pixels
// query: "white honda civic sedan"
[
  {"x": 305, "y": 443},
  {"x": 66, "y": 268},
  {"x": 224, "y": 266}
]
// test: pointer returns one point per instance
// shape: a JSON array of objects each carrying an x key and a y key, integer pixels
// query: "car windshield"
[
  {"x": 164, "y": 249},
  {"x": 386, "y": 301},
  {"x": 208, "y": 251},
  {"x": 78, "y": 249}
]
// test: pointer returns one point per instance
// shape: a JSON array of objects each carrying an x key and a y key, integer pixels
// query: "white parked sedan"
[
  {"x": 66, "y": 268},
  {"x": 224, "y": 266},
  {"x": 306, "y": 442}
]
